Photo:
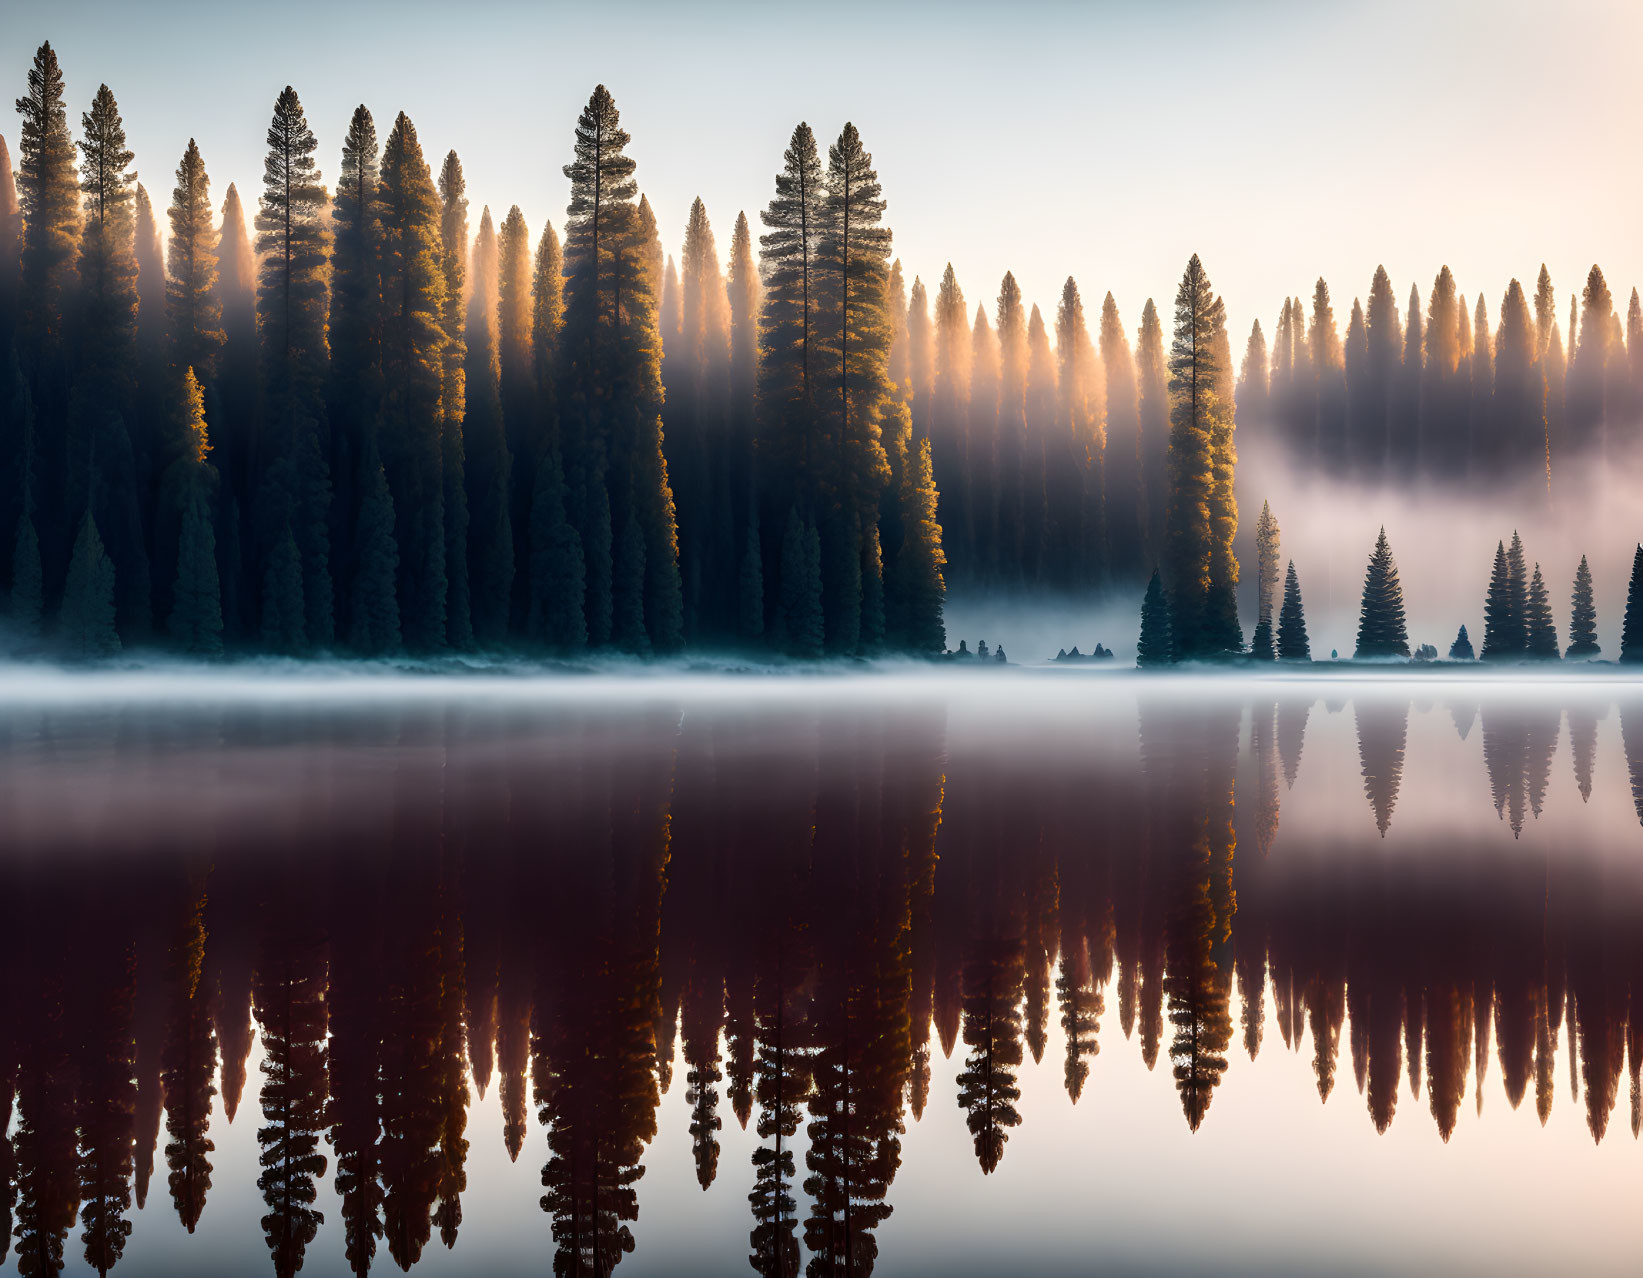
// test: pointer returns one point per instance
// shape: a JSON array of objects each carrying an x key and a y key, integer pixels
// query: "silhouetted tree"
[
  {"x": 1292, "y": 639},
  {"x": 1582, "y": 615},
  {"x": 1540, "y": 631},
  {"x": 490, "y": 530},
  {"x": 1631, "y": 628},
  {"x": 1461, "y": 649},
  {"x": 86, "y": 624},
  {"x": 1266, "y": 588},
  {"x": 1157, "y": 643},
  {"x": 1381, "y": 629}
]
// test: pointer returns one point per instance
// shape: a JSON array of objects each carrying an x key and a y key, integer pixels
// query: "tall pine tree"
[
  {"x": 1381, "y": 628},
  {"x": 1582, "y": 615},
  {"x": 490, "y": 527}
]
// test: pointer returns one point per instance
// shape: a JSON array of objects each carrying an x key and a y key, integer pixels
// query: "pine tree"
[
  {"x": 515, "y": 319},
  {"x": 558, "y": 575},
  {"x": 1582, "y": 615},
  {"x": 1381, "y": 629},
  {"x": 373, "y": 624},
  {"x": 490, "y": 528},
  {"x": 1157, "y": 643},
  {"x": 48, "y": 194},
  {"x": 1517, "y": 588},
  {"x": 854, "y": 257},
  {"x": 1152, "y": 388},
  {"x": 86, "y": 625},
  {"x": 284, "y": 611},
  {"x": 355, "y": 333},
  {"x": 915, "y": 591},
  {"x": 1193, "y": 414},
  {"x": 1503, "y": 633},
  {"x": 1292, "y": 640},
  {"x": 413, "y": 368},
  {"x": 453, "y": 268},
  {"x": 193, "y": 307},
  {"x": 611, "y": 428},
  {"x": 1461, "y": 649},
  {"x": 789, "y": 352},
  {"x": 1631, "y": 628},
  {"x": 799, "y": 622},
  {"x": 293, "y": 492},
  {"x": 1540, "y": 630},
  {"x": 195, "y": 623},
  {"x": 1266, "y": 579},
  {"x": 101, "y": 466},
  {"x": 1126, "y": 507}
]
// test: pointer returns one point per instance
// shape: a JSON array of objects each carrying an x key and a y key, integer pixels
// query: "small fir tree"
[
  {"x": 1381, "y": 628},
  {"x": 86, "y": 624},
  {"x": 1583, "y": 615},
  {"x": 1631, "y": 629},
  {"x": 1157, "y": 643},
  {"x": 1292, "y": 639},
  {"x": 1502, "y": 624},
  {"x": 1539, "y": 628},
  {"x": 1461, "y": 649},
  {"x": 1266, "y": 577}
]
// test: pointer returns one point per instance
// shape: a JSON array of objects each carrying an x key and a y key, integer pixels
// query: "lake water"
[{"x": 1026, "y": 973}]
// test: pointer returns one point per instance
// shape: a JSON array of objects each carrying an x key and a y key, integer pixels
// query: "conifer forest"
[
  {"x": 666, "y": 640},
  {"x": 348, "y": 413}
]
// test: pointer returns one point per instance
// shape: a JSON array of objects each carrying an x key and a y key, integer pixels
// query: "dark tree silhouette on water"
[
  {"x": 1461, "y": 649},
  {"x": 1292, "y": 638},
  {"x": 1540, "y": 631},
  {"x": 1582, "y": 616},
  {"x": 1381, "y": 630},
  {"x": 1157, "y": 643},
  {"x": 1631, "y": 629},
  {"x": 1266, "y": 590}
]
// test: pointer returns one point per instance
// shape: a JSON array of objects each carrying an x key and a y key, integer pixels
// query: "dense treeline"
[
  {"x": 1440, "y": 392},
  {"x": 360, "y": 432},
  {"x": 364, "y": 426},
  {"x": 574, "y": 953}
]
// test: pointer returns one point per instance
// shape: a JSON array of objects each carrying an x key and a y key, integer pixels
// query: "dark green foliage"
[
  {"x": 490, "y": 528},
  {"x": 1503, "y": 633},
  {"x": 193, "y": 308},
  {"x": 86, "y": 624},
  {"x": 1266, "y": 579},
  {"x": 1199, "y": 608},
  {"x": 1292, "y": 639},
  {"x": 1157, "y": 643},
  {"x": 1381, "y": 628},
  {"x": 610, "y": 395},
  {"x": 558, "y": 575},
  {"x": 48, "y": 193},
  {"x": 1583, "y": 615},
  {"x": 453, "y": 268},
  {"x": 1631, "y": 628},
  {"x": 1461, "y": 649},
  {"x": 284, "y": 619},
  {"x": 799, "y": 619},
  {"x": 413, "y": 354},
  {"x": 196, "y": 601},
  {"x": 750, "y": 583},
  {"x": 1540, "y": 630},
  {"x": 195, "y": 622},
  {"x": 916, "y": 591},
  {"x": 27, "y": 601},
  {"x": 628, "y": 591},
  {"x": 374, "y": 616}
]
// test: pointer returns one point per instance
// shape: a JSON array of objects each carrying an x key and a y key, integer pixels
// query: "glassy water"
[{"x": 1026, "y": 974}]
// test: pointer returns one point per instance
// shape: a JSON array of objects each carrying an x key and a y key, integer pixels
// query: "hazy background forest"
[{"x": 1452, "y": 406}]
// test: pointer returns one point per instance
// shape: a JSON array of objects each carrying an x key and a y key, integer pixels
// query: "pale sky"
[{"x": 1280, "y": 141}]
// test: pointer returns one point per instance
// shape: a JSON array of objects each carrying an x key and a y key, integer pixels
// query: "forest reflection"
[{"x": 800, "y": 908}]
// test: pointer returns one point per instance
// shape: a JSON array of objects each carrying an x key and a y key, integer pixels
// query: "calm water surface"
[{"x": 1017, "y": 974}]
